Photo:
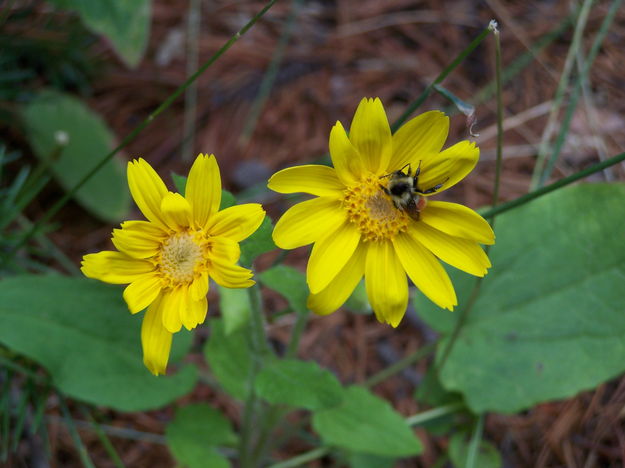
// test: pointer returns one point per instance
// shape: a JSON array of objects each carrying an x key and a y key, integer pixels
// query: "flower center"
[
  {"x": 373, "y": 211},
  {"x": 180, "y": 254}
]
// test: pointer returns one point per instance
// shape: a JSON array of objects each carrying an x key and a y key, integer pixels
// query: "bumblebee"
[{"x": 403, "y": 188}]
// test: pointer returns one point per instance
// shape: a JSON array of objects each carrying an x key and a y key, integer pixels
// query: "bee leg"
[
  {"x": 436, "y": 188},
  {"x": 384, "y": 189}
]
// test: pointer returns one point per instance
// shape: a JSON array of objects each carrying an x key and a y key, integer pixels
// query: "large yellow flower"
[
  {"x": 169, "y": 258},
  {"x": 356, "y": 227}
]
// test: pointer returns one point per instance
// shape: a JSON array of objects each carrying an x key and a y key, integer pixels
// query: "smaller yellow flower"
[
  {"x": 168, "y": 259},
  {"x": 371, "y": 216}
]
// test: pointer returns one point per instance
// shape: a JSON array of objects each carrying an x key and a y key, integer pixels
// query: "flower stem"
[
  {"x": 493, "y": 26},
  {"x": 296, "y": 334},
  {"x": 600, "y": 166},
  {"x": 139, "y": 128},
  {"x": 399, "y": 365},
  {"x": 259, "y": 349}
]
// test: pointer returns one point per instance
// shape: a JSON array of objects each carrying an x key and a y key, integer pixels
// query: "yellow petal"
[
  {"x": 142, "y": 292},
  {"x": 386, "y": 283},
  {"x": 463, "y": 254},
  {"x": 338, "y": 291},
  {"x": 203, "y": 190},
  {"x": 114, "y": 267},
  {"x": 199, "y": 287},
  {"x": 425, "y": 271},
  {"x": 237, "y": 222},
  {"x": 176, "y": 211},
  {"x": 448, "y": 167},
  {"x": 193, "y": 312},
  {"x": 225, "y": 248},
  {"x": 174, "y": 304},
  {"x": 138, "y": 239},
  {"x": 370, "y": 134},
  {"x": 330, "y": 254},
  {"x": 345, "y": 158},
  {"x": 304, "y": 223},
  {"x": 419, "y": 138},
  {"x": 230, "y": 275},
  {"x": 314, "y": 179},
  {"x": 458, "y": 221},
  {"x": 155, "y": 340},
  {"x": 147, "y": 189}
]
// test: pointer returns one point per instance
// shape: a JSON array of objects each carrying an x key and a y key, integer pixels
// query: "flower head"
[
  {"x": 363, "y": 221},
  {"x": 168, "y": 259}
]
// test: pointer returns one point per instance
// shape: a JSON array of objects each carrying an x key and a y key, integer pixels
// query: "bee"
[{"x": 403, "y": 188}]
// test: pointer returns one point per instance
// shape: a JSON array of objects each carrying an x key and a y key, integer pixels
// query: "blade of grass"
[
  {"x": 73, "y": 432},
  {"x": 5, "y": 407},
  {"x": 570, "y": 110},
  {"x": 558, "y": 99},
  {"x": 106, "y": 443},
  {"x": 433, "y": 413},
  {"x": 399, "y": 365},
  {"x": 474, "y": 445},
  {"x": 139, "y": 128},
  {"x": 20, "y": 415}
]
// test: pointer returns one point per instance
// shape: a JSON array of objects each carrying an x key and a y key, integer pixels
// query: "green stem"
[
  {"x": 448, "y": 69},
  {"x": 556, "y": 185},
  {"x": 259, "y": 348},
  {"x": 139, "y": 128},
  {"x": 499, "y": 117},
  {"x": 296, "y": 334},
  {"x": 433, "y": 413},
  {"x": 399, "y": 365},
  {"x": 570, "y": 110},
  {"x": 474, "y": 445}
]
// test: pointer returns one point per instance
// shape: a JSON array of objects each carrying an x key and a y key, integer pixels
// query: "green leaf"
[
  {"x": 549, "y": 320},
  {"x": 290, "y": 283},
  {"x": 258, "y": 243},
  {"x": 227, "y": 200},
  {"x": 298, "y": 383},
  {"x": 194, "y": 433},
  {"x": 52, "y": 114},
  {"x": 81, "y": 331},
  {"x": 180, "y": 182},
  {"x": 358, "y": 301},
  {"x": 487, "y": 454},
  {"x": 365, "y": 460},
  {"x": 235, "y": 308},
  {"x": 230, "y": 358},
  {"x": 126, "y": 24},
  {"x": 365, "y": 423}
]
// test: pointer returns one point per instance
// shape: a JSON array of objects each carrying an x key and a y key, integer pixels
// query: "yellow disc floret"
[
  {"x": 373, "y": 211},
  {"x": 179, "y": 258}
]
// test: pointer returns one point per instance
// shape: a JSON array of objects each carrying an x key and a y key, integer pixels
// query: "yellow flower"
[
  {"x": 169, "y": 258},
  {"x": 356, "y": 227}
]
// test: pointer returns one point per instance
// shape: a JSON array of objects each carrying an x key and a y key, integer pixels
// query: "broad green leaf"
[
  {"x": 290, "y": 283},
  {"x": 298, "y": 383},
  {"x": 549, "y": 320},
  {"x": 195, "y": 432},
  {"x": 235, "y": 308},
  {"x": 487, "y": 455},
  {"x": 365, "y": 423},
  {"x": 81, "y": 331},
  {"x": 227, "y": 200},
  {"x": 258, "y": 243},
  {"x": 364, "y": 460},
  {"x": 229, "y": 357},
  {"x": 52, "y": 114},
  {"x": 125, "y": 23}
]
